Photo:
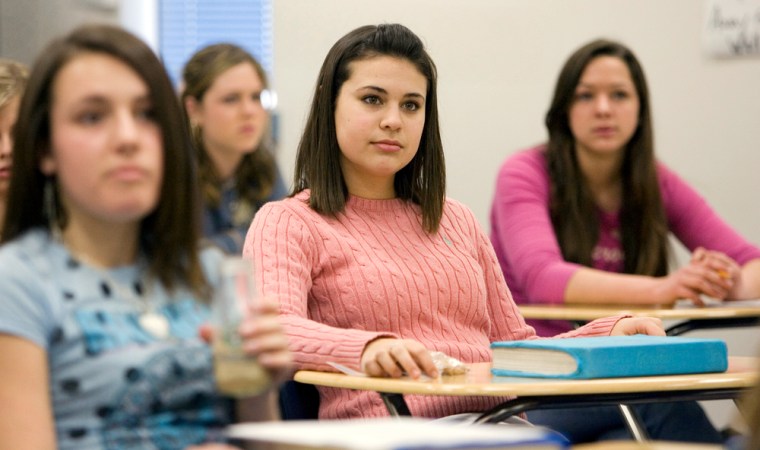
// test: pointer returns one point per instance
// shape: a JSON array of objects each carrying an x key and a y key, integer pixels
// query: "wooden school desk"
[
  {"x": 535, "y": 393},
  {"x": 726, "y": 315}
]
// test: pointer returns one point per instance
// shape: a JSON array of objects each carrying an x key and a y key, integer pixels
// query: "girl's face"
[
  {"x": 8, "y": 115},
  {"x": 106, "y": 146},
  {"x": 379, "y": 119},
  {"x": 605, "y": 112},
  {"x": 230, "y": 114}
]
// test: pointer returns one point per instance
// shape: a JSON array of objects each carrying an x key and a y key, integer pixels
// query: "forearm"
[
  {"x": 750, "y": 281},
  {"x": 596, "y": 286}
]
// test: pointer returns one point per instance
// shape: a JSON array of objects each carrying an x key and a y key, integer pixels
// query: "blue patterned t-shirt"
[{"x": 113, "y": 385}]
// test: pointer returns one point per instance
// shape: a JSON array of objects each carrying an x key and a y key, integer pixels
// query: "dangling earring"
[{"x": 49, "y": 204}]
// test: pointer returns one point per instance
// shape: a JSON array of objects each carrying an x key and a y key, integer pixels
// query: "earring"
[{"x": 49, "y": 207}]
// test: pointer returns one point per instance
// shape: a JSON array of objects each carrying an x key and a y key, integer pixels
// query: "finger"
[
  {"x": 266, "y": 343},
  {"x": 424, "y": 361},
  {"x": 260, "y": 326},
  {"x": 405, "y": 360},
  {"x": 698, "y": 254},
  {"x": 206, "y": 332},
  {"x": 388, "y": 364},
  {"x": 373, "y": 369}
]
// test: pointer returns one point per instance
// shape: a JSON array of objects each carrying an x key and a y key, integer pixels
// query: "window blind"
[{"x": 188, "y": 25}]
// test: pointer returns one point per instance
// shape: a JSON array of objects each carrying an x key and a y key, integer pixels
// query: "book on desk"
[
  {"x": 401, "y": 433},
  {"x": 609, "y": 357}
]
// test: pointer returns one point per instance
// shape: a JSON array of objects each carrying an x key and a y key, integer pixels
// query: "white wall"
[{"x": 498, "y": 61}]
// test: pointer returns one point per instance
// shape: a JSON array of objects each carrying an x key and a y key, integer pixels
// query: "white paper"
[
  {"x": 389, "y": 434},
  {"x": 732, "y": 27}
]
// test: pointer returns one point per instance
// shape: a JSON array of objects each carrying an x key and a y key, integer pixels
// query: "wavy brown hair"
[
  {"x": 169, "y": 234},
  {"x": 574, "y": 214},
  {"x": 423, "y": 180},
  {"x": 255, "y": 175}
]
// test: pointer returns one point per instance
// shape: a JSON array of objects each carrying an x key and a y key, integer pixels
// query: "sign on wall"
[{"x": 732, "y": 28}]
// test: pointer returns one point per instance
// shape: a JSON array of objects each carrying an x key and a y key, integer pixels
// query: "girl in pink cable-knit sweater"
[{"x": 373, "y": 265}]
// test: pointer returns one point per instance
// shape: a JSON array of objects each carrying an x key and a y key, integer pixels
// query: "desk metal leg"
[
  {"x": 633, "y": 423},
  {"x": 395, "y": 404}
]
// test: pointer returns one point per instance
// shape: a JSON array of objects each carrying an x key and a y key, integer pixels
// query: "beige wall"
[{"x": 26, "y": 26}]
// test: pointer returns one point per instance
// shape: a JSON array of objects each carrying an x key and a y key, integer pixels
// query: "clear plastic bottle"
[{"x": 237, "y": 374}]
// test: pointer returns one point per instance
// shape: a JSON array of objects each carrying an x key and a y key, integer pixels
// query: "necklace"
[{"x": 150, "y": 320}]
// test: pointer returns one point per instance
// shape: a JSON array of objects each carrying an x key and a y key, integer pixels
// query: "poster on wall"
[{"x": 732, "y": 28}]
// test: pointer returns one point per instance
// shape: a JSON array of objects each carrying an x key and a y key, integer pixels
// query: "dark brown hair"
[
  {"x": 574, "y": 214},
  {"x": 169, "y": 234},
  {"x": 423, "y": 180},
  {"x": 256, "y": 173}
]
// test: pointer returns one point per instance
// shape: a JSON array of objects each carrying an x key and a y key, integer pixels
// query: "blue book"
[{"x": 608, "y": 357}]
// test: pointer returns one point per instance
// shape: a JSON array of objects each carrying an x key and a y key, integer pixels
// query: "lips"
[
  {"x": 388, "y": 145},
  {"x": 604, "y": 131},
  {"x": 128, "y": 173},
  {"x": 5, "y": 172}
]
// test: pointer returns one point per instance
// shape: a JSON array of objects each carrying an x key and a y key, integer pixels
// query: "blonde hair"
[{"x": 13, "y": 77}]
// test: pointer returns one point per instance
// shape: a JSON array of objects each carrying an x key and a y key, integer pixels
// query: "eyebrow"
[{"x": 383, "y": 91}]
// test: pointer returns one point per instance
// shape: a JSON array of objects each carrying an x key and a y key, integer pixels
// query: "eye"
[
  {"x": 147, "y": 113},
  {"x": 411, "y": 106},
  {"x": 232, "y": 98},
  {"x": 372, "y": 100},
  {"x": 620, "y": 95},
  {"x": 583, "y": 96},
  {"x": 90, "y": 117}
]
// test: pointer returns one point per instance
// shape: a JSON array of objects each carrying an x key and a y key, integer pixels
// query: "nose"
[
  {"x": 251, "y": 106},
  {"x": 6, "y": 145},
  {"x": 391, "y": 119},
  {"x": 126, "y": 132},
  {"x": 603, "y": 104}
]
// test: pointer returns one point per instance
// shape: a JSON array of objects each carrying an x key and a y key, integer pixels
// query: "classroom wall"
[{"x": 498, "y": 61}]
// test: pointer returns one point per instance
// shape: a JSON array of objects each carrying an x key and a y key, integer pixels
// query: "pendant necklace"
[{"x": 150, "y": 320}]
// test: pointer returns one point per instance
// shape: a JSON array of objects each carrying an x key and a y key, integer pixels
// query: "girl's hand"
[
  {"x": 264, "y": 338},
  {"x": 724, "y": 272},
  {"x": 638, "y": 325},
  {"x": 708, "y": 273},
  {"x": 386, "y": 357}
]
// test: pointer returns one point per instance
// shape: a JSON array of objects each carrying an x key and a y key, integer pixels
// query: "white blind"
[{"x": 188, "y": 25}]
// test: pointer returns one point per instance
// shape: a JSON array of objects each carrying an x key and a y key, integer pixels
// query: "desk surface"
[
  {"x": 591, "y": 312},
  {"x": 655, "y": 445},
  {"x": 742, "y": 373}
]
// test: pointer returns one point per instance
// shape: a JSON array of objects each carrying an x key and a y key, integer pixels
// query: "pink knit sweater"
[{"x": 372, "y": 272}]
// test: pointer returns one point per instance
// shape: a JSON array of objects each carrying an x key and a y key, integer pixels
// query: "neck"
[
  {"x": 102, "y": 246},
  {"x": 225, "y": 164},
  {"x": 602, "y": 175}
]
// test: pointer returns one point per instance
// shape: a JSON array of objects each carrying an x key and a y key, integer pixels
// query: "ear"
[
  {"x": 193, "y": 107},
  {"x": 47, "y": 164}
]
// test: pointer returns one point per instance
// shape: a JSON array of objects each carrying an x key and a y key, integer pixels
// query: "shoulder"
[
  {"x": 533, "y": 158},
  {"x": 671, "y": 183}
]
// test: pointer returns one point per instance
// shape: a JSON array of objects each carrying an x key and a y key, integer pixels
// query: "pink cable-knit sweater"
[{"x": 374, "y": 272}]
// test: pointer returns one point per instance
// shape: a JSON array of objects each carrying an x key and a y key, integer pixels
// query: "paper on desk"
[
  {"x": 713, "y": 303},
  {"x": 405, "y": 433}
]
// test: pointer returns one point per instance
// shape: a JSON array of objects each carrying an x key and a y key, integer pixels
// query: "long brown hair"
[
  {"x": 169, "y": 234},
  {"x": 423, "y": 180},
  {"x": 574, "y": 214},
  {"x": 256, "y": 173}
]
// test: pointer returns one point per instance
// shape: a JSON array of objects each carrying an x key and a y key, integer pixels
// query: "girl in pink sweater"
[{"x": 372, "y": 264}]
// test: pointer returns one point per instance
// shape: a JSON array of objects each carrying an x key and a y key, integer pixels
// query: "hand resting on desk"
[
  {"x": 638, "y": 325},
  {"x": 389, "y": 357}
]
